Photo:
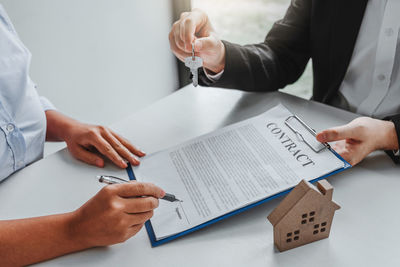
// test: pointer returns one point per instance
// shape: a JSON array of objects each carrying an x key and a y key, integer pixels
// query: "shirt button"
[
  {"x": 381, "y": 77},
  {"x": 389, "y": 32},
  {"x": 10, "y": 127}
]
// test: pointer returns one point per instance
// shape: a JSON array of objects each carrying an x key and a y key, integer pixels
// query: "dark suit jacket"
[{"x": 322, "y": 30}]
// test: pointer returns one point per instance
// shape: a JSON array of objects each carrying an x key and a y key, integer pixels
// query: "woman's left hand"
[{"x": 86, "y": 141}]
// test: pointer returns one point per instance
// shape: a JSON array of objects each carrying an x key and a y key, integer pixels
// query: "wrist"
[
  {"x": 75, "y": 233},
  {"x": 219, "y": 64},
  {"x": 389, "y": 139},
  {"x": 72, "y": 239}
]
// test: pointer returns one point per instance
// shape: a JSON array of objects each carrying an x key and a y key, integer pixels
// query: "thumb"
[
  {"x": 204, "y": 44},
  {"x": 337, "y": 133}
]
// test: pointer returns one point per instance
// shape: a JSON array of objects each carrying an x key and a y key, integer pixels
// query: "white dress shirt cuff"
[
  {"x": 215, "y": 77},
  {"x": 396, "y": 153},
  {"x": 46, "y": 104}
]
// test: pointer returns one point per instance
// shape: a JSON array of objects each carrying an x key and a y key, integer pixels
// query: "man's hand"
[
  {"x": 359, "y": 138},
  {"x": 84, "y": 141},
  {"x": 114, "y": 214},
  {"x": 196, "y": 27}
]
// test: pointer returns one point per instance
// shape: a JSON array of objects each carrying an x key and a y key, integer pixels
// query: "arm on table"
[
  {"x": 83, "y": 139},
  {"x": 357, "y": 139},
  {"x": 113, "y": 215}
]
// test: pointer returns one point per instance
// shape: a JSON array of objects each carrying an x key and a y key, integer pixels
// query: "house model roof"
[{"x": 323, "y": 189}]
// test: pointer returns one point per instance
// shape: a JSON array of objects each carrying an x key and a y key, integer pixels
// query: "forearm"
[
  {"x": 248, "y": 68},
  {"x": 57, "y": 125},
  {"x": 278, "y": 61},
  {"x": 32, "y": 240}
]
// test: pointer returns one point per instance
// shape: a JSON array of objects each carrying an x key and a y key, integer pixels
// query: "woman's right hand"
[
  {"x": 116, "y": 213},
  {"x": 195, "y": 27}
]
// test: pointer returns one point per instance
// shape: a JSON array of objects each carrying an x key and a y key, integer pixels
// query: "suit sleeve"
[
  {"x": 396, "y": 120},
  {"x": 271, "y": 65}
]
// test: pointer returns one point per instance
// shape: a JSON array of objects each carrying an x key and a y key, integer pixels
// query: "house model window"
[{"x": 304, "y": 216}]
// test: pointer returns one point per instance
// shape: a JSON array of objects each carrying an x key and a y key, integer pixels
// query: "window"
[
  {"x": 249, "y": 21},
  {"x": 295, "y": 237}
]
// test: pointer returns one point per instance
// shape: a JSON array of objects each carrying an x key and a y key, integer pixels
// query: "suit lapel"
[{"x": 347, "y": 19}]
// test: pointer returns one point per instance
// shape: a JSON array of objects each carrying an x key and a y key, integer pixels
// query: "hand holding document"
[{"x": 224, "y": 171}]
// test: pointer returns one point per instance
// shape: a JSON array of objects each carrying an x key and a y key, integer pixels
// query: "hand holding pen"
[{"x": 115, "y": 180}]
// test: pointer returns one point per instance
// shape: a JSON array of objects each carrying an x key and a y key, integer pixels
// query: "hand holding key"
[
  {"x": 194, "y": 63},
  {"x": 195, "y": 27}
]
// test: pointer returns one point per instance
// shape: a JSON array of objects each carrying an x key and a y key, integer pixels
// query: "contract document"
[{"x": 231, "y": 168}]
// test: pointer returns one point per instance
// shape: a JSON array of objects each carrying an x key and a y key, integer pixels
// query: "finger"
[
  {"x": 137, "y": 189},
  {"x": 120, "y": 148},
  {"x": 204, "y": 44},
  {"x": 139, "y": 218},
  {"x": 134, "y": 229},
  {"x": 107, "y": 150},
  {"x": 187, "y": 33},
  {"x": 86, "y": 156},
  {"x": 183, "y": 15},
  {"x": 341, "y": 149},
  {"x": 177, "y": 38},
  {"x": 190, "y": 25},
  {"x": 128, "y": 145},
  {"x": 140, "y": 204},
  {"x": 338, "y": 133},
  {"x": 179, "y": 53}
]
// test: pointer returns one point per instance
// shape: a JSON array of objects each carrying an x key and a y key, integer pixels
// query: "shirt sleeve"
[
  {"x": 215, "y": 77},
  {"x": 395, "y": 154},
  {"x": 46, "y": 104}
]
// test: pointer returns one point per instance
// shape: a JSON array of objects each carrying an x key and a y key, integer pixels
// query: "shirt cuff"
[
  {"x": 46, "y": 104},
  {"x": 215, "y": 77},
  {"x": 396, "y": 153}
]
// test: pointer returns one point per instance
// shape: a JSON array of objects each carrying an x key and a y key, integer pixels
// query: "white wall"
[{"x": 98, "y": 60}]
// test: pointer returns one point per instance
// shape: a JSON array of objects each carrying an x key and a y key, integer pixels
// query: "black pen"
[{"x": 115, "y": 180}]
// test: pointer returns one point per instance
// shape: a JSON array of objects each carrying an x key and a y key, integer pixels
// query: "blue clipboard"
[{"x": 149, "y": 227}]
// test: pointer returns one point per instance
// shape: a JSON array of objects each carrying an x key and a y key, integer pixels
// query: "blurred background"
[{"x": 100, "y": 60}]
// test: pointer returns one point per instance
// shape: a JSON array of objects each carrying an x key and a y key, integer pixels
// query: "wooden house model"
[{"x": 305, "y": 215}]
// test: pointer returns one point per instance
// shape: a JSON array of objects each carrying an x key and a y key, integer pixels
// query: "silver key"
[{"x": 194, "y": 63}]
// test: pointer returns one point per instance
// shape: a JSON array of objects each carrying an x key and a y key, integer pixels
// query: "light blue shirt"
[{"x": 22, "y": 111}]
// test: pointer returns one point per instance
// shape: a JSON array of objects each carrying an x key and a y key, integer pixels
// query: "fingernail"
[
  {"x": 162, "y": 193},
  {"x": 99, "y": 162},
  {"x": 141, "y": 151}
]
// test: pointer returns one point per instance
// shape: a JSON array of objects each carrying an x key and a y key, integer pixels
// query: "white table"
[{"x": 365, "y": 231}]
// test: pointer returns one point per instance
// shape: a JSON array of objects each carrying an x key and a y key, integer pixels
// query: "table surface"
[{"x": 365, "y": 230}]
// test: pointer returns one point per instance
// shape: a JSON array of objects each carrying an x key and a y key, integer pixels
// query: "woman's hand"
[
  {"x": 86, "y": 141},
  {"x": 114, "y": 214},
  {"x": 360, "y": 137}
]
